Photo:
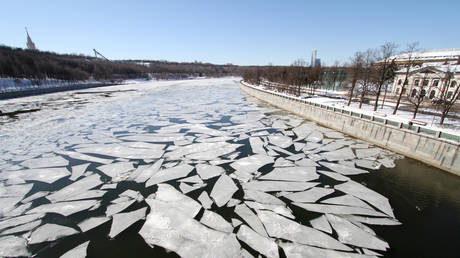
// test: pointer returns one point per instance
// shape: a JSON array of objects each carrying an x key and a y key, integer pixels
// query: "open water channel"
[{"x": 196, "y": 168}]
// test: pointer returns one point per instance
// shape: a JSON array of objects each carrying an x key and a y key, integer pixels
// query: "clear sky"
[{"x": 240, "y": 32}]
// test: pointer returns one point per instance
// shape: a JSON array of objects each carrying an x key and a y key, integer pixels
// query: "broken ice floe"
[
  {"x": 301, "y": 174},
  {"x": 77, "y": 252},
  {"x": 169, "y": 174},
  {"x": 170, "y": 195},
  {"x": 223, "y": 190},
  {"x": 310, "y": 195},
  {"x": 92, "y": 222},
  {"x": 50, "y": 232},
  {"x": 76, "y": 188},
  {"x": 337, "y": 209},
  {"x": 77, "y": 171},
  {"x": 263, "y": 245},
  {"x": 342, "y": 169},
  {"x": 205, "y": 200},
  {"x": 276, "y": 186},
  {"x": 208, "y": 171},
  {"x": 13, "y": 246},
  {"x": 251, "y": 163},
  {"x": 64, "y": 208},
  {"x": 295, "y": 250},
  {"x": 46, "y": 175},
  {"x": 251, "y": 218},
  {"x": 215, "y": 221},
  {"x": 122, "y": 221},
  {"x": 322, "y": 224},
  {"x": 56, "y": 161}
]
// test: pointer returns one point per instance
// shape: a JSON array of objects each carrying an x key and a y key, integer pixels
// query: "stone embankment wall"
[{"x": 434, "y": 151}]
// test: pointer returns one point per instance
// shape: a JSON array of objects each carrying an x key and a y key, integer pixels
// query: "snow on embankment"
[{"x": 16, "y": 84}]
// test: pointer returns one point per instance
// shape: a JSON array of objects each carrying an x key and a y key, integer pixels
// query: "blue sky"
[{"x": 233, "y": 31}]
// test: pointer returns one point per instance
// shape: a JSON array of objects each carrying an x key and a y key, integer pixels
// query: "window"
[
  {"x": 432, "y": 94},
  {"x": 416, "y": 82},
  {"x": 435, "y": 83},
  {"x": 425, "y": 82},
  {"x": 404, "y": 90},
  {"x": 414, "y": 92},
  {"x": 406, "y": 82},
  {"x": 449, "y": 94},
  {"x": 397, "y": 90},
  {"x": 453, "y": 84},
  {"x": 399, "y": 82},
  {"x": 423, "y": 93}
]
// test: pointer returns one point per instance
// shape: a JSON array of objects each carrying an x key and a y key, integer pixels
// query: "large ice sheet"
[
  {"x": 322, "y": 224},
  {"x": 263, "y": 245},
  {"x": 276, "y": 186},
  {"x": 215, "y": 221},
  {"x": 280, "y": 141},
  {"x": 208, "y": 171},
  {"x": 50, "y": 232},
  {"x": 168, "y": 227},
  {"x": 81, "y": 156},
  {"x": 169, "y": 174},
  {"x": 76, "y": 188},
  {"x": 251, "y": 218},
  {"x": 64, "y": 208},
  {"x": 223, "y": 190},
  {"x": 252, "y": 163},
  {"x": 205, "y": 200},
  {"x": 13, "y": 246},
  {"x": 147, "y": 172},
  {"x": 257, "y": 145},
  {"x": 46, "y": 162},
  {"x": 92, "y": 222},
  {"x": 310, "y": 195},
  {"x": 368, "y": 195},
  {"x": 342, "y": 169},
  {"x": 279, "y": 209},
  {"x": 262, "y": 197},
  {"x": 77, "y": 171},
  {"x": 348, "y": 200},
  {"x": 341, "y": 154},
  {"x": 117, "y": 171},
  {"x": 46, "y": 175},
  {"x": 122, "y": 221},
  {"x": 280, "y": 227},
  {"x": 337, "y": 209},
  {"x": 121, "y": 151},
  {"x": 351, "y": 234},
  {"x": 170, "y": 195},
  {"x": 300, "y": 174}
]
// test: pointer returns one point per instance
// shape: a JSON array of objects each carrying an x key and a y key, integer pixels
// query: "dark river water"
[{"x": 424, "y": 199}]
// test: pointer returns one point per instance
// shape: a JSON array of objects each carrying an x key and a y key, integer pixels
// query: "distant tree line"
[{"x": 23, "y": 63}]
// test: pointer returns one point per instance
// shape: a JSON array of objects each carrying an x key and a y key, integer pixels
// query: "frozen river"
[{"x": 198, "y": 169}]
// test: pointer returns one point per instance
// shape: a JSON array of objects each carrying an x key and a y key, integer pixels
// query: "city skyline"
[{"x": 254, "y": 33}]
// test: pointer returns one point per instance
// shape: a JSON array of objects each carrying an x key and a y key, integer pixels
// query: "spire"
[{"x": 30, "y": 43}]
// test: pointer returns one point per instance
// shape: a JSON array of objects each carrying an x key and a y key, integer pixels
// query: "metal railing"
[{"x": 374, "y": 118}]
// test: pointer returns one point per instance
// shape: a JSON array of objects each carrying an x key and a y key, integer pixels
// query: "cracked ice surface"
[{"x": 152, "y": 151}]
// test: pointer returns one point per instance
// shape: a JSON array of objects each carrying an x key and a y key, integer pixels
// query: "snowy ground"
[
  {"x": 451, "y": 126},
  {"x": 200, "y": 167}
]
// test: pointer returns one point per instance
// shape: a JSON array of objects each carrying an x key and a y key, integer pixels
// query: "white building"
[{"x": 432, "y": 72}]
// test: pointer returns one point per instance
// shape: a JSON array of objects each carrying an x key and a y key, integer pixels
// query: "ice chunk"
[
  {"x": 46, "y": 175},
  {"x": 77, "y": 171},
  {"x": 334, "y": 175},
  {"x": 236, "y": 222},
  {"x": 147, "y": 172},
  {"x": 386, "y": 162},
  {"x": 109, "y": 186},
  {"x": 366, "y": 194},
  {"x": 117, "y": 207},
  {"x": 77, "y": 252},
  {"x": 303, "y": 131},
  {"x": 186, "y": 188},
  {"x": 122, "y": 221},
  {"x": 294, "y": 250},
  {"x": 364, "y": 163},
  {"x": 91, "y": 223},
  {"x": 306, "y": 162},
  {"x": 223, "y": 190},
  {"x": 298, "y": 146},
  {"x": 117, "y": 171},
  {"x": 16, "y": 221},
  {"x": 262, "y": 197},
  {"x": 282, "y": 162},
  {"x": 263, "y": 245},
  {"x": 365, "y": 153},
  {"x": 22, "y": 228},
  {"x": 372, "y": 221},
  {"x": 193, "y": 179},
  {"x": 337, "y": 209},
  {"x": 296, "y": 157},
  {"x": 347, "y": 200},
  {"x": 56, "y": 161},
  {"x": 311, "y": 146},
  {"x": 207, "y": 171},
  {"x": 50, "y": 232},
  {"x": 334, "y": 135},
  {"x": 215, "y": 221},
  {"x": 341, "y": 154},
  {"x": 281, "y": 227},
  {"x": 310, "y": 195},
  {"x": 197, "y": 148},
  {"x": 301, "y": 174},
  {"x": 251, "y": 218},
  {"x": 315, "y": 136},
  {"x": 257, "y": 145},
  {"x": 322, "y": 224},
  {"x": 154, "y": 137},
  {"x": 169, "y": 174},
  {"x": 280, "y": 141},
  {"x": 342, "y": 169},
  {"x": 205, "y": 200},
  {"x": 351, "y": 234},
  {"x": 132, "y": 195},
  {"x": 64, "y": 208},
  {"x": 81, "y": 156},
  {"x": 213, "y": 154},
  {"x": 279, "y": 209},
  {"x": 170, "y": 195},
  {"x": 120, "y": 151},
  {"x": 276, "y": 186},
  {"x": 251, "y": 163},
  {"x": 233, "y": 202},
  {"x": 76, "y": 188},
  {"x": 12, "y": 246},
  {"x": 171, "y": 228},
  {"x": 279, "y": 124}
]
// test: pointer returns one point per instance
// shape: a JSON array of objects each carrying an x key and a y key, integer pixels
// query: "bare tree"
[
  {"x": 386, "y": 63},
  {"x": 299, "y": 74},
  {"x": 410, "y": 49},
  {"x": 416, "y": 97},
  {"x": 448, "y": 96},
  {"x": 367, "y": 74},
  {"x": 356, "y": 68}
]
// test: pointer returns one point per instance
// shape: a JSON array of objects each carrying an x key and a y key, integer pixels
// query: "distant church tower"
[{"x": 30, "y": 43}]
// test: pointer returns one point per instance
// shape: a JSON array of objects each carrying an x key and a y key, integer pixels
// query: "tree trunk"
[
  {"x": 415, "y": 112},
  {"x": 399, "y": 100},
  {"x": 377, "y": 98},
  {"x": 443, "y": 116},
  {"x": 353, "y": 83}
]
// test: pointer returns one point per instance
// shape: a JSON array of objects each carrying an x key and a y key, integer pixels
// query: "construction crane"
[{"x": 96, "y": 53}]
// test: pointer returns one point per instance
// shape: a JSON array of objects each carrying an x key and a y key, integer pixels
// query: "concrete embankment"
[{"x": 431, "y": 150}]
